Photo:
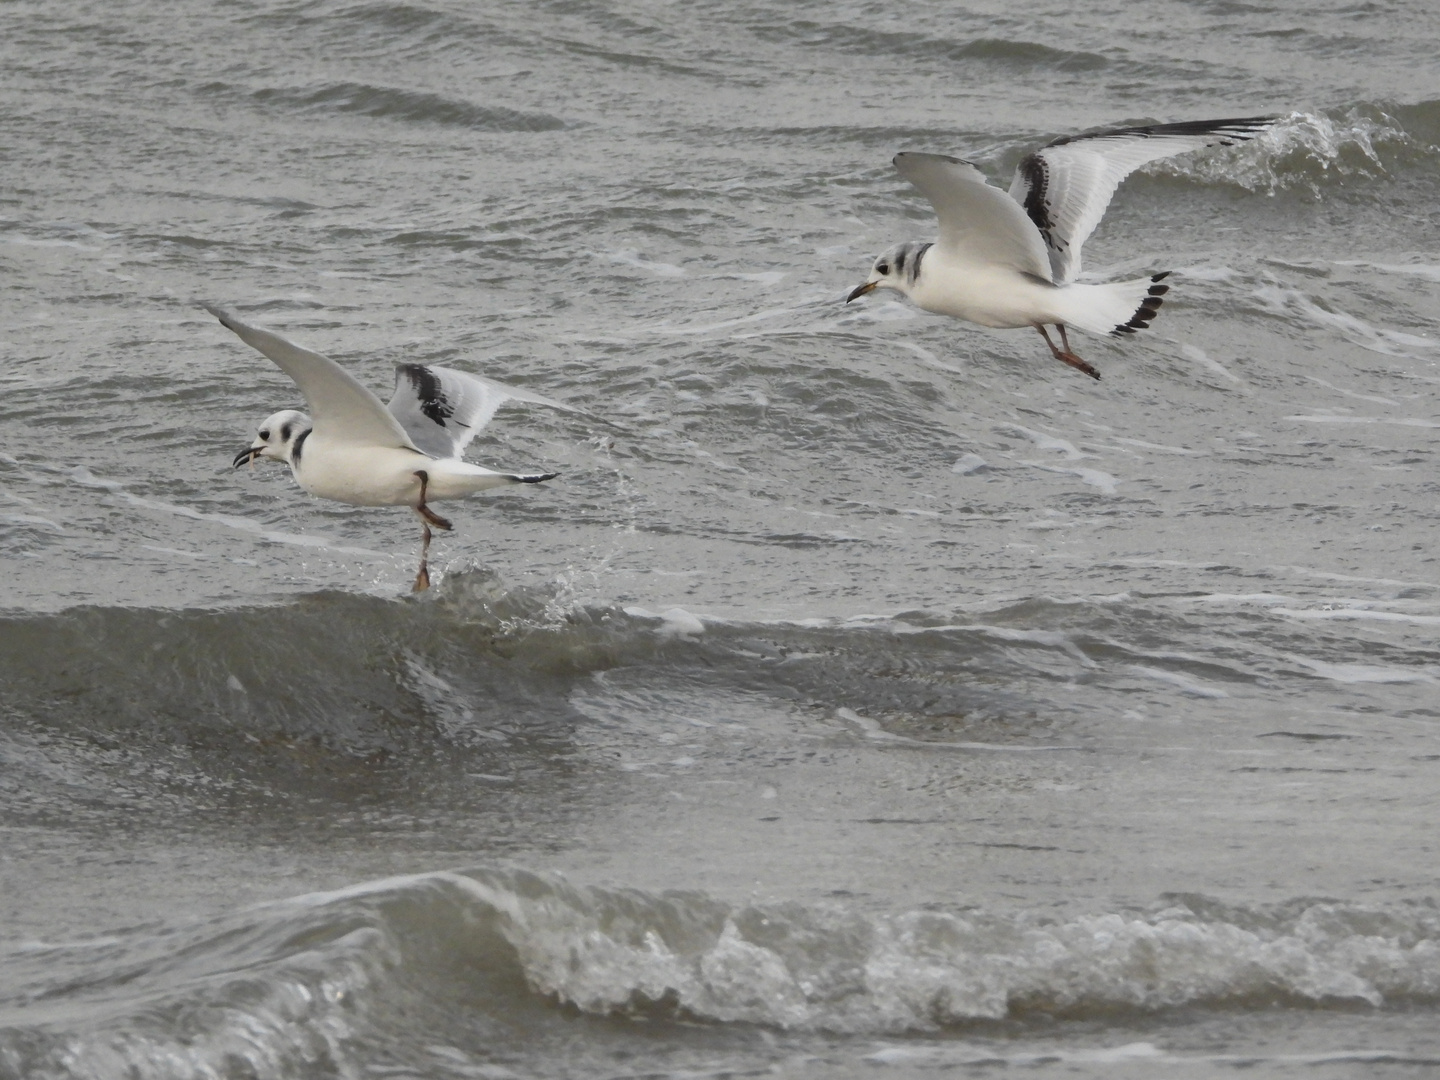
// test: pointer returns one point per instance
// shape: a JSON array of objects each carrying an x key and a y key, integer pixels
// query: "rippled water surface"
[{"x": 870, "y": 695}]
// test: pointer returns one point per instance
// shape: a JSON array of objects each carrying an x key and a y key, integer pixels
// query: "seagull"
[
  {"x": 359, "y": 451},
  {"x": 1007, "y": 261}
]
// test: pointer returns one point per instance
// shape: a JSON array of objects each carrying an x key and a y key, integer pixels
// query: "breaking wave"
[
  {"x": 312, "y": 982},
  {"x": 1315, "y": 151},
  {"x": 478, "y": 661},
  {"x": 798, "y": 967}
]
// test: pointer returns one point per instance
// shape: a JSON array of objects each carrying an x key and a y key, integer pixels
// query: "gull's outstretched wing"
[
  {"x": 343, "y": 410},
  {"x": 979, "y": 224},
  {"x": 442, "y": 409},
  {"x": 1066, "y": 186}
]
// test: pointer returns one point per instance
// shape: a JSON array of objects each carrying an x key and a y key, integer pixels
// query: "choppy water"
[{"x": 870, "y": 696}]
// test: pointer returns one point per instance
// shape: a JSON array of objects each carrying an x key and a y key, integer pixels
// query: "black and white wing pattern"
[
  {"x": 442, "y": 409},
  {"x": 1066, "y": 186}
]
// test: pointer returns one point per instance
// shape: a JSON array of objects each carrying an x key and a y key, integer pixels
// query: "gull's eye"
[
  {"x": 882, "y": 268},
  {"x": 265, "y": 434}
]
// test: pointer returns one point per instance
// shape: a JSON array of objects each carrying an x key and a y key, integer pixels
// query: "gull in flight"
[
  {"x": 359, "y": 451},
  {"x": 1007, "y": 261}
]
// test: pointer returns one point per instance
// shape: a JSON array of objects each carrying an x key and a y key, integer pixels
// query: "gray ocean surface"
[{"x": 870, "y": 696}]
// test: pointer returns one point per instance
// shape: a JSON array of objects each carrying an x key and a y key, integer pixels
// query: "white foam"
[
  {"x": 1428, "y": 271},
  {"x": 1185, "y": 683},
  {"x": 1333, "y": 418},
  {"x": 1052, "y": 638},
  {"x": 83, "y": 476},
  {"x": 33, "y": 241},
  {"x": 1352, "y": 394},
  {"x": 1358, "y": 614},
  {"x": 1161, "y": 447},
  {"x": 1280, "y": 300},
  {"x": 1328, "y": 575},
  {"x": 631, "y": 257},
  {"x": 962, "y": 1054},
  {"x": 1236, "y": 598},
  {"x": 764, "y": 277},
  {"x": 924, "y": 970},
  {"x": 1094, "y": 477},
  {"x": 1043, "y": 441},
  {"x": 674, "y": 622},
  {"x": 1199, "y": 356},
  {"x": 1364, "y": 673},
  {"x": 959, "y": 1055},
  {"x": 872, "y": 730},
  {"x": 1321, "y": 145},
  {"x": 175, "y": 551},
  {"x": 32, "y": 519}
]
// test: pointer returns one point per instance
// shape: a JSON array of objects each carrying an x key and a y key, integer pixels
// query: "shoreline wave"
[
  {"x": 479, "y": 659},
  {"x": 313, "y": 980}
]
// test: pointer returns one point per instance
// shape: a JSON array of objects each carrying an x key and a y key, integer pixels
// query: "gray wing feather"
[
  {"x": 442, "y": 409},
  {"x": 979, "y": 224},
  {"x": 1066, "y": 186},
  {"x": 343, "y": 410}
]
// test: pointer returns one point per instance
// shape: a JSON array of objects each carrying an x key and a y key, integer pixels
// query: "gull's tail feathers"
[
  {"x": 1119, "y": 307},
  {"x": 451, "y": 478}
]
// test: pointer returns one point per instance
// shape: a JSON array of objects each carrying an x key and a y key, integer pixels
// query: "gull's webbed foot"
[
  {"x": 1064, "y": 355},
  {"x": 432, "y": 518},
  {"x": 1075, "y": 362}
]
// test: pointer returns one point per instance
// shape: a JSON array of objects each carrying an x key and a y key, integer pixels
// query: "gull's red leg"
[{"x": 1065, "y": 356}]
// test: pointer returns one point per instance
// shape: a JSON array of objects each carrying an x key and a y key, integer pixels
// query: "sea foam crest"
[
  {"x": 1307, "y": 151},
  {"x": 301, "y": 987},
  {"x": 807, "y": 968}
]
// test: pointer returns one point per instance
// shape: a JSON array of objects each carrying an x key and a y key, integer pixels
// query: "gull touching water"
[
  {"x": 359, "y": 451},
  {"x": 1009, "y": 260}
]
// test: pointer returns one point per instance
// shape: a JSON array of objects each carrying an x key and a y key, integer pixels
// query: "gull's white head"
[
  {"x": 898, "y": 269},
  {"x": 279, "y": 439}
]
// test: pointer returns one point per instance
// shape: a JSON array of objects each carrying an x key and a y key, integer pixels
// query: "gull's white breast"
[
  {"x": 385, "y": 476},
  {"x": 362, "y": 475},
  {"x": 987, "y": 294}
]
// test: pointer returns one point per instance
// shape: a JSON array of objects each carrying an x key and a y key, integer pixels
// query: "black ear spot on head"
[{"x": 285, "y": 432}]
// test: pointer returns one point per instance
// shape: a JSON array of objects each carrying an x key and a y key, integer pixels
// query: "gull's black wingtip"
[
  {"x": 539, "y": 478},
  {"x": 1226, "y": 132},
  {"x": 219, "y": 313}
]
